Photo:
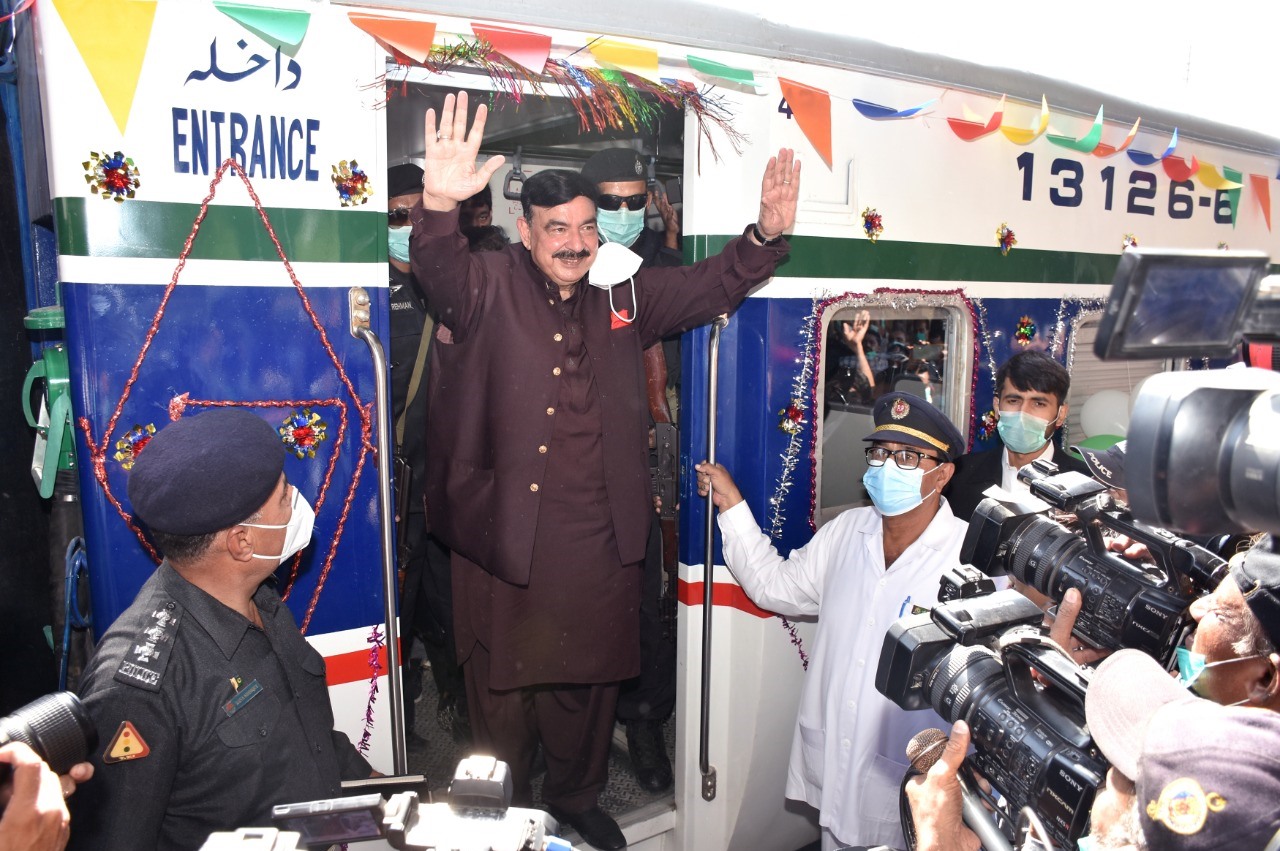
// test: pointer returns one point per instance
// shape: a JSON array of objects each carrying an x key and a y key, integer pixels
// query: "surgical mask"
[
  {"x": 1192, "y": 665},
  {"x": 614, "y": 264},
  {"x": 1022, "y": 432},
  {"x": 620, "y": 226},
  {"x": 398, "y": 243},
  {"x": 895, "y": 490},
  {"x": 1085, "y": 843},
  {"x": 301, "y": 522}
]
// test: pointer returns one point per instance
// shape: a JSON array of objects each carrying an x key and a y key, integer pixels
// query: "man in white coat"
[{"x": 861, "y": 571}]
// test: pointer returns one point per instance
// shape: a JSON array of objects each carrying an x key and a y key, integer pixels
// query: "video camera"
[
  {"x": 477, "y": 817},
  {"x": 1123, "y": 604},
  {"x": 972, "y": 659}
]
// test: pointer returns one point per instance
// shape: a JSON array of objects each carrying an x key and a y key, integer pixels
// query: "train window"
[
  {"x": 1102, "y": 392},
  {"x": 872, "y": 347}
]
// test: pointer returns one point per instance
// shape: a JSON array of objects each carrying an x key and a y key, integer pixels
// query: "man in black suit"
[{"x": 1031, "y": 403}]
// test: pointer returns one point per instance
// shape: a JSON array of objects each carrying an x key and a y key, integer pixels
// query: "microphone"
[{"x": 923, "y": 751}]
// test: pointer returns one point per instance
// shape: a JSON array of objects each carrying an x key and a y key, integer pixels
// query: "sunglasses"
[
  {"x": 615, "y": 202},
  {"x": 398, "y": 217}
]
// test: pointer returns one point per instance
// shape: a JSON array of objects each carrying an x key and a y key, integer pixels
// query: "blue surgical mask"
[
  {"x": 1192, "y": 665},
  {"x": 1022, "y": 432},
  {"x": 1085, "y": 843},
  {"x": 620, "y": 226},
  {"x": 398, "y": 243},
  {"x": 894, "y": 490}
]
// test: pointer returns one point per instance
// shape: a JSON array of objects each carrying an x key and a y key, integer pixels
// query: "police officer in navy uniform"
[{"x": 209, "y": 705}]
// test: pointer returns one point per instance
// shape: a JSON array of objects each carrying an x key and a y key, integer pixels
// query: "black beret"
[
  {"x": 206, "y": 472},
  {"x": 404, "y": 179},
  {"x": 614, "y": 165},
  {"x": 1258, "y": 575},
  {"x": 903, "y": 418}
]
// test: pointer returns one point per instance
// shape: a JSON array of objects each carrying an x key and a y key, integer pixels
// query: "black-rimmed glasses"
[
  {"x": 615, "y": 202},
  {"x": 906, "y": 459}
]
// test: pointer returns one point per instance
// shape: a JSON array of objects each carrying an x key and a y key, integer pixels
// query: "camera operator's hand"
[
  {"x": 1130, "y": 549},
  {"x": 936, "y": 803},
  {"x": 715, "y": 479},
  {"x": 35, "y": 816},
  {"x": 1060, "y": 628}
]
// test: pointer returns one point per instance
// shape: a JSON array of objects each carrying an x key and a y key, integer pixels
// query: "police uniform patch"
[
  {"x": 900, "y": 409},
  {"x": 125, "y": 745},
  {"x": 1183, "y": 806},
  {"x": 144, "y": 662}
]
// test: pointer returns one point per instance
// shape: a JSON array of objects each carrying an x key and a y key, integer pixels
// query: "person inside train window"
[
  {"x": 647, "y": 701},
  {"x": 1030, "y": 404},
  {"x": 850, "y": 379},
  {"x": 861, "y": 571},
  {"x": 541, "y": 483},
  {"x": 477, "y": 211},
  {"x": 210, "y": 706}
]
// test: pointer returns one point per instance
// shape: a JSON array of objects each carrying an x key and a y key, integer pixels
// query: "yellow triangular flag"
[{"x": 112, "y": 37}]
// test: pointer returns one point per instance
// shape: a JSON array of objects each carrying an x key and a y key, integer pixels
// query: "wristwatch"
[{"x": 760, "y": 238}]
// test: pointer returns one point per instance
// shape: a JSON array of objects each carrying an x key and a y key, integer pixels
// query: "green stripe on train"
[
  {"x": 825, "y": 257},
  {"x": 92, "y": 227}
]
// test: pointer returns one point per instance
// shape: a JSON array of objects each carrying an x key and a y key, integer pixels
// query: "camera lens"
[
  {"x": 56, "y": 727},
  {"x": 960, "y": 678}
]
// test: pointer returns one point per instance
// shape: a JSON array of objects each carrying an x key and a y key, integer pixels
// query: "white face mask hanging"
[{"x": 614, "y": 264}]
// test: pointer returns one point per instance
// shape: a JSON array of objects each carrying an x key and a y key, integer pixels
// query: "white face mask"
[
  {"x": 614, "y": 264},
  {"x": 301, "y": 522}
]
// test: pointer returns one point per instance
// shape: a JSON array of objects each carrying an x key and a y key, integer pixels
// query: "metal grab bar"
[
  {"x": 713, "y": 386},
  {"x": 358, "y": 304}
]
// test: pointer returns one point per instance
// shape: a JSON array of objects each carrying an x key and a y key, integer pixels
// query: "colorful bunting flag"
[
  {"x": 1209, "y": 176},
  {"x": 723, "y": 72},
  {"x": 1021, "y": 136},
  {"x": 526, "y": 49},
  {"x": 1086, "y": 143},
  {"x": 812, "y": 110},
  {"x": 1144, "y": 159},
  {"x": 1236, "y": 178},
  {"x": 403, "y": 38},
  {"x": 112, "y": 37},
  {"x": 877, "y": 112},
  {"x": 286, "y": 27},
  {"x": 1262, "y": 191},
  {"x": 969, "y": 128},
  {"x": 1179, "y": 169},
  {"x": 1105, "y": 150},
  {"x": 626, "y": 57}
]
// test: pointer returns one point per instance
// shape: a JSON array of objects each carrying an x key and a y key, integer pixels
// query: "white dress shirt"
[
  {"x": 1009, "y": 473},
  {"x": 848, "y": 755}
]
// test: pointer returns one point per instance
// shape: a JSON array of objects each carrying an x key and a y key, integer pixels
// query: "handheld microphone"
[{"x": 923, "y": 751}]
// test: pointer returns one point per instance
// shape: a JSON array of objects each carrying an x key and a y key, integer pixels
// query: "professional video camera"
[
  {"x": 1123, "y": 604},
  {"x": 55, "y": 726},
  {"x": 1203, "y": 453},
  {"x": 972, "y": 659},
  {"x": 477, "y": 817}
]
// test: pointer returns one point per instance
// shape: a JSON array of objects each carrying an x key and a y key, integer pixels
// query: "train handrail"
[
  {"x": 708, "y": 564},
  {"x": 358, "y": 304}
]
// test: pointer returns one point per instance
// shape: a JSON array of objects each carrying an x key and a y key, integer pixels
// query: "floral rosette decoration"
[
  {"x": 987, "y": 427},
  {"x": 1005, "y": 239},
  {"x": 113, "y": 176},
  {"x": 302, "y": 432},
  {"x": 872, "y": 223},
  {"x": 792, "y": 418},
  {"x": 134, "y": 441},
  {"x": 1129, "y": 241},
  {"x": 352, "y": 183},
  {"x": 1025, "y": 332}
]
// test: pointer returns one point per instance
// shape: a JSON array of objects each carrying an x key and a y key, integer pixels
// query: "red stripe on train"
[
  {"x": 722, "y": 594},
  {"x": 352, "y": 667}
]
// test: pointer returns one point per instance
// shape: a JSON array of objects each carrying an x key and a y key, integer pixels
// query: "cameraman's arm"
[
  {"x": 936, "y": 803},
  {"x": 36, "y": 817},
  {"x": 1060, "y": 628}
]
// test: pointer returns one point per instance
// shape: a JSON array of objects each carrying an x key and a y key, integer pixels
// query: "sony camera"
[
  {"x": 1123, "y": 604},
  {"x": 972, "y": 659}
]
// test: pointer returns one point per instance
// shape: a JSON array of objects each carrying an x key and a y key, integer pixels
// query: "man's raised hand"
[
  {"x": 779, "y": 193},
  {"x": 449, "y": 172}
]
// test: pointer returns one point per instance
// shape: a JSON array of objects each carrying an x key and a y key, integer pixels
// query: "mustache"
[{"x": 569, "y": 254}]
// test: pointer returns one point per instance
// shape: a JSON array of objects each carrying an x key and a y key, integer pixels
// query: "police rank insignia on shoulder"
[
  {"x": 900, "y": 409},
  {"x": 1184, "y": 806},
  {"x": 125, "y": 745},
  {"x": 144, "y": 663}
]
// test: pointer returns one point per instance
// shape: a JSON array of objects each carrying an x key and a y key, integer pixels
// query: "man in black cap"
[
  {"x": 862, "y": 570},
  {"x": 426, "y": 602},
  {"x": 1031, "y": 404},
  {"x": 1186, "y": 774},
  {"x": 647, "y": 701},
  {"x": 209, "y": 704}
]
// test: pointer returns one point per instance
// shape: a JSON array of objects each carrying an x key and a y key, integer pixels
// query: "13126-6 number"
[{"x": 1143, "y": 189}]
